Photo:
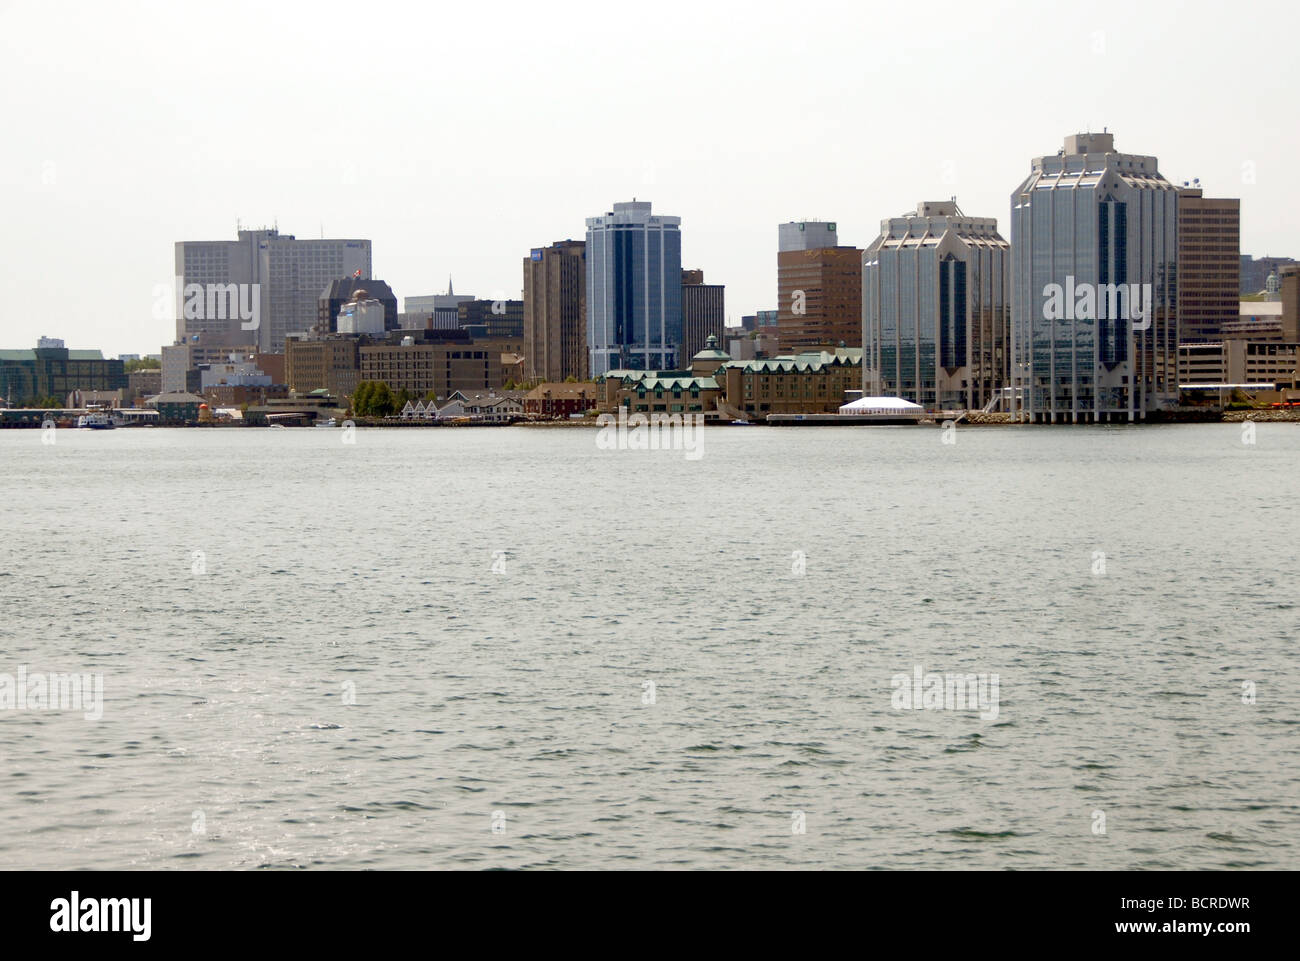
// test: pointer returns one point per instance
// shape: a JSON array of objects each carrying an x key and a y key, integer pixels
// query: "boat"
[
  {"x": 327, "y": 423},
  {"x": 96, "y": 420},
  {"x": 276, "y": 427},
  {"x": 742, "y": 423}
]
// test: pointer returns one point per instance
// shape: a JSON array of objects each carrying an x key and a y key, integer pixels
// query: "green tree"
[
  {"x": 144, "y": 363},
  {"x": 382, "y": 401},
  {"x": 361, "y": 399}
]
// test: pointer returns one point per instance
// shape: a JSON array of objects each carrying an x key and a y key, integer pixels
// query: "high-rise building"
[
  {"x": 936, "y": 308},
  {"x": 277, "y": 274},
  {"x": 1094, "y": 241},
  {"x": 492, "y": 319},
  {"x": 555, "y": 311},
  {"x": 1209, "y": 265},
  {"x": 344, "y": 290},
  {"x": 704, "y": 314},
  {"x": 807, "y": 235},
  {"x": 819, "y": 289},
  {"x": 634, "y": 290}
]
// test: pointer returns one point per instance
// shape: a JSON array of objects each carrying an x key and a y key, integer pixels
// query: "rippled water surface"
[{"x": 500, "y": 719}]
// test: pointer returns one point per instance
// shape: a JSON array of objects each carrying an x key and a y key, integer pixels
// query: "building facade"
[
  {"x": 936, "y": 308},
  {"x": 1094, "y": 245},
  {"x": 555, "y": 311},
  {"x": 1209, "y": 265},
  {"x": 634, "y": 289},
  {"x": 807, "y": 235},
  {"x": 492, "y": 319},
  {"x": 704, "y": 313},
  {"x": 560, "y": 399},
  {"x": 343, "y": 291},
  {"x": 28, "y": 376},
  {"x": 819, "y": 298},
  {"x": 436, "y": 368},
  {"x": 282, "y": 274},
  {"x": 808, "y": 383}
]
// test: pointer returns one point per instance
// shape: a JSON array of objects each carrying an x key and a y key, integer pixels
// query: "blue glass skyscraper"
[
  {"x": 936, "y": 308},
  {"x": 1094, "y": 240},
  {"x": 634, "y": 290}
]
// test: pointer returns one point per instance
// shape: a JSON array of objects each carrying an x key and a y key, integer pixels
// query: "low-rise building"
[
  {"x": 492, "y": 407},
  {"x": 1240, "y": 362},
  {"x": 143, "y": 383},
  {"x": 177, "y": 407},
  {"x": 555, "y": 399},
  {"x": 809, "y": 383},
  {"x": 52, "y": 370}
]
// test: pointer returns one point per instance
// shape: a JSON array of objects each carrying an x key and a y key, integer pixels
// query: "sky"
[{"x": 458, "y": 136}]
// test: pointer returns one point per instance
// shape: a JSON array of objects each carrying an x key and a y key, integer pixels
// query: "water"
[{"x": 515, "y": 700}]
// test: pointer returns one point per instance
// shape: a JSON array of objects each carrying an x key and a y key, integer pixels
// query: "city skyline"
[{"x": 92, "y": 231}]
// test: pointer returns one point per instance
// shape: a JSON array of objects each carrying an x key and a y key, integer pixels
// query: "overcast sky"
[{"x": 457, "y": 136}]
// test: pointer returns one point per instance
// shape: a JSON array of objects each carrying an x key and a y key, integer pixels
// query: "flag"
[{"x": 358, "y": 273}]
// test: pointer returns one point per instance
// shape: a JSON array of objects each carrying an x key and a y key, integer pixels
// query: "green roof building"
[{"x": 28, "y": 376}]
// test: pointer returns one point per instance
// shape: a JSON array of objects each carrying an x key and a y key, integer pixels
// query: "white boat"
[
  {"x": 96, "y": 420},
  {"x": 327, "y": 423}
]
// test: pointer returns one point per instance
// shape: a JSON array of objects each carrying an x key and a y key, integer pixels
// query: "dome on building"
[{"x": 710, "y": 351}]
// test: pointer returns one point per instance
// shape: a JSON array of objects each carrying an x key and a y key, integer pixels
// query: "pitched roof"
[
  {"x": 562, "y": 391},
  {"x": 676, "y": 383}
]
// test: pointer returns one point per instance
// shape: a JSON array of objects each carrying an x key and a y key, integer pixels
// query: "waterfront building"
[
  {"x": 177, "y": 407},
  {"x": 286, "y": 277},
  {"x": 52, "y": 370},
  {"x": 552, "y": 399},
  {"x": 555, "y": 311},
  {"x": 1089, "y": 225},
  {"x": 439, "y": 366},
  {"x": 1209, "y": 265},
  {"x": 815, "y": 382},
  {"x": 491, "y": 407},
  {"x": 936, "y": 308},
  {"x": 634, "y": 289},
  {"x": 1240, "y": 362}
]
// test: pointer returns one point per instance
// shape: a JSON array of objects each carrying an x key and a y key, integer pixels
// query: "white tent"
[{"x": 882, "y": 405}]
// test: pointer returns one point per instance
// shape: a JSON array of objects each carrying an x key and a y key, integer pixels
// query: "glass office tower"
[
  {"x": 936, "y": 310},
  {"x": 634, "y": 290},
  {"x": 1094, "y": 236}
]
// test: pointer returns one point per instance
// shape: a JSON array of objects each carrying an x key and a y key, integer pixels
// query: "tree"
[
  {"x": 143, "y": 363},
  {"x": 361, "y": 399},
  {"x": 382, "y": 402}
]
